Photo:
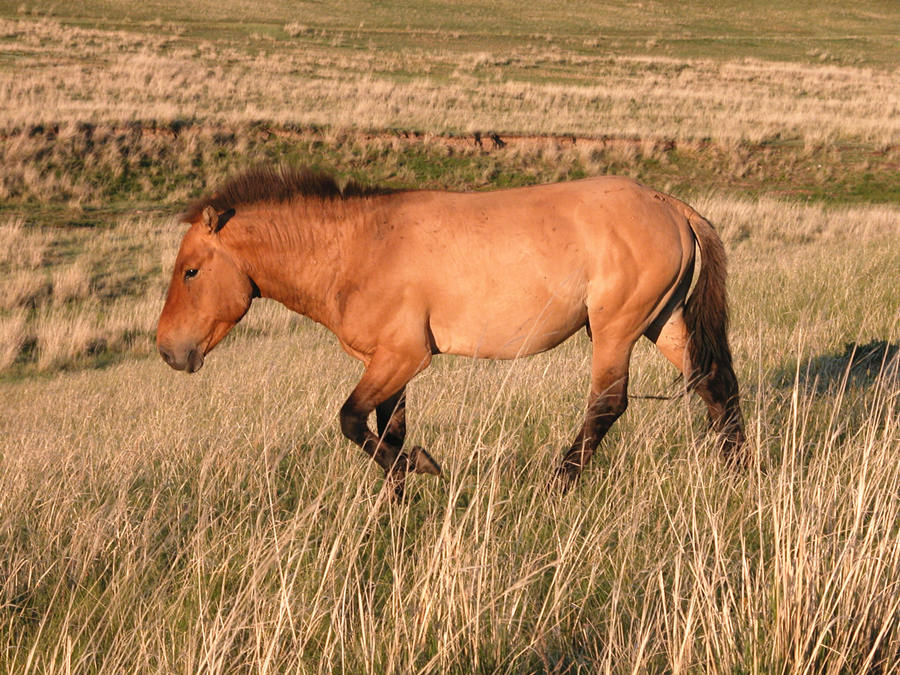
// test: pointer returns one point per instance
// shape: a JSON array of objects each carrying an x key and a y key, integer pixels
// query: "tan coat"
[{"x": 400, "y": 277}]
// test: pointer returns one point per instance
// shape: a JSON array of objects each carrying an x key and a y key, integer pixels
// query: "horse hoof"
[
  {"x": 562, "y": 481},
  {"x": 395, "y": 486},
  {"x": 736, "y": 453},
  {"x": 422, "y": 462},
  {"x": 399, "y": 493}
]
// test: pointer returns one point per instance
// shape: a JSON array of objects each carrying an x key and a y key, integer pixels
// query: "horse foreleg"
[
  {"x": 383, "y": 383},
  {"x": 391, "y": 418},
  {"x": 608, "y": 400}
]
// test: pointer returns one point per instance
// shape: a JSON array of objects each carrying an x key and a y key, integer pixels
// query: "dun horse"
[{"x": 401, "y": 276}]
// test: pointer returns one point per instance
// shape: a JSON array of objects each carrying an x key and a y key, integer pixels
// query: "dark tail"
[
  {"x": 706, "y": 310},
  {"x": 706, "y": 318}
]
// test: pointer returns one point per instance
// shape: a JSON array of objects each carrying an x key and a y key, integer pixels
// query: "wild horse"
[{"x": 401, "y": 276}]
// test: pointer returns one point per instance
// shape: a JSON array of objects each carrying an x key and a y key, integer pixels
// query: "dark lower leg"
[
  {"x": 603, "y": 411},
  {"x": 386, "y": 448},
  {"x": 391, "y": 419},
  {"x": 381, "y": 389},
  {"x": 354, "y": 426}
]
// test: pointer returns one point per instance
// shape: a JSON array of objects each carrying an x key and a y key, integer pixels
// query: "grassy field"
[{"x": 153, "y": 522}]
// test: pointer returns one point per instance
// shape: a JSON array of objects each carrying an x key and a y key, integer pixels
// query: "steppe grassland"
[
  {"x": 121, "y": 76},
  {"x": 153, "y": 522}
]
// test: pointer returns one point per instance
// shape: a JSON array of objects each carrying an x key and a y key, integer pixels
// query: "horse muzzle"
[{"x": 190, "y": 361}]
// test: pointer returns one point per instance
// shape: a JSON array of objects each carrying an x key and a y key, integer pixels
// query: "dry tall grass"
[
  {"x": 97, "y": 295},
  {"x": 19, "y": 246},
  {"x": 12, "y": 337},
  {"x": 141, "y": 166}
]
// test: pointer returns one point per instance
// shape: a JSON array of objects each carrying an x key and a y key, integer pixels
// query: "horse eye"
[{"x": 190, "y": 274}]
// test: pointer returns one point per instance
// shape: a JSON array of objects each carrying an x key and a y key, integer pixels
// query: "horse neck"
[{"x": 296, "y": 253}]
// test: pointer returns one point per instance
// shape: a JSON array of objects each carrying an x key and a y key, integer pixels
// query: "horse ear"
[
  {"x": 210, "y": 219},
  {"x": 215, "y": 221}
]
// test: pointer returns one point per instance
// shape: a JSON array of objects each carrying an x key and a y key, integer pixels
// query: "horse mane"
[{"x": 276, "y": 184}]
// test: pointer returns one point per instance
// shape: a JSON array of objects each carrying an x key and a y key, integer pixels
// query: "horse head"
[{"x": 208, "y": 295}]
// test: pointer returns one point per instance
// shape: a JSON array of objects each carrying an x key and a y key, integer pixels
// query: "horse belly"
[{"x": 505, "y": 326}]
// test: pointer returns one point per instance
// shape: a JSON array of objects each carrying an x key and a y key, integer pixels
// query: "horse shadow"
[{"x": 858, "y": 366}]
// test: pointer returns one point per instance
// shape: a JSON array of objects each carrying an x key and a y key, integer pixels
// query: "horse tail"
[{"x": 706, "y": 310}]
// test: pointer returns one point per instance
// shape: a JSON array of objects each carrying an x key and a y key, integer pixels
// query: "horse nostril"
[{"x": 167, "y": 357}]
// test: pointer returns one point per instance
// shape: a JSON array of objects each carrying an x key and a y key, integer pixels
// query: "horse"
[{"x": 401, "y": 276}]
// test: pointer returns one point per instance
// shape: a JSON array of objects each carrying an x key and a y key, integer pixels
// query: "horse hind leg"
[
  {"x": 607, "y": 401},
  {"x": 716, "y": 384}
]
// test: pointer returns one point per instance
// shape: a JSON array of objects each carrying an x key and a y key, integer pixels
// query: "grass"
[
  {"x": 89, "y": 73},
  {"x": 793, "y": 31},
  {"x": 153, "y": 522},
  {"x": 77, "y": 171}
]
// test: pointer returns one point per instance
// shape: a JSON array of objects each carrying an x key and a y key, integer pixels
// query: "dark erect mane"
[{"x": 276, "y": 184}]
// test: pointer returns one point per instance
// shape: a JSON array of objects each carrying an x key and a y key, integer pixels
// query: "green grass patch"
[
  {"x": 794, "y": 31},
  {"x": 94, "y": 172}
]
